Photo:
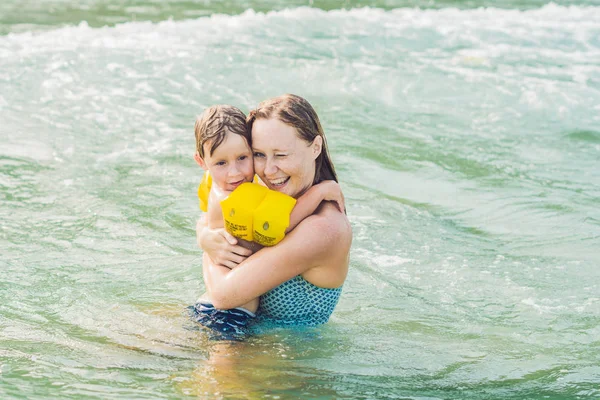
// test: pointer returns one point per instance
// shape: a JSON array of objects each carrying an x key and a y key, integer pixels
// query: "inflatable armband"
[
  {"x": 238, "y": 209},
  {"x": 272, "y": 217},
  {"x": 255, "y": 213},
  {"x": 204, "y": 191}
]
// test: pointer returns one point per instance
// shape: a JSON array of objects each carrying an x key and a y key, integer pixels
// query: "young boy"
[{"x": 223, "y": 148}]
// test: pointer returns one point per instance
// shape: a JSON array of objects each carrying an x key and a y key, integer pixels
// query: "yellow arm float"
[
  {"x": 255, "y": 213},
  {"x": 204, "y": 191},
  {"x": 238, "y": 209},
  {"x": 272, "y": 217}
]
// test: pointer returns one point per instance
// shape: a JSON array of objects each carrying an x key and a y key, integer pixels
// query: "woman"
[{"x": 300, "y": 279}]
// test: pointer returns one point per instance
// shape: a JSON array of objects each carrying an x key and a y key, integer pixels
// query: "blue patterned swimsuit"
[{"x": 298, "y": 302}]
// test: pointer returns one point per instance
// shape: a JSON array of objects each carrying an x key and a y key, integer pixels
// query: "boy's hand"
[
  {"x": 331, "y": 191},
  {"x": 220, "y": 246}
]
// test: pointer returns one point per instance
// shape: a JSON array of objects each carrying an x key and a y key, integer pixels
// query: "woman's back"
[{"x": 298, "y": 302}]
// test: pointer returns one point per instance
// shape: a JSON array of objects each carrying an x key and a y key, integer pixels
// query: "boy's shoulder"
[
  {"x": 214, "y": 211},
  {"x": 216, "y": 195}
]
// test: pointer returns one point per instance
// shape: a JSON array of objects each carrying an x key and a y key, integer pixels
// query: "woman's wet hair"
[
  {"x": 298, "y": 113},
  {"x": 214, "y": 124}
]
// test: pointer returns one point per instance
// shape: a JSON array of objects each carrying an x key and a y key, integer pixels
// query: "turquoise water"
[{"x": 467, "y": 140}]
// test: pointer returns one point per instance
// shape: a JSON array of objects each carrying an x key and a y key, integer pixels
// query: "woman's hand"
[
  {"x": 331, "y": 191},
  {"x": 220, "y": 246}
]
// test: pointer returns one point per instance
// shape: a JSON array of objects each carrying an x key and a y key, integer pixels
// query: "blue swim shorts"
[{"x": 230, "y": 324}]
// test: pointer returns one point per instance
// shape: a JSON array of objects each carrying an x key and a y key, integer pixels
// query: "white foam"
[{"x": 445, "y": 20}]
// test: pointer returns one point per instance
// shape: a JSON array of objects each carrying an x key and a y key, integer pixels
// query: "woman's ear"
[
  {"x": 200, "y": 161},
  {"x": 317, "y": 146}
]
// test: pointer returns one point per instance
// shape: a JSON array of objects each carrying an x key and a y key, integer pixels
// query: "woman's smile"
[
  {"x": 279, "y": 183},
  {"x": 282, "y": 159}
]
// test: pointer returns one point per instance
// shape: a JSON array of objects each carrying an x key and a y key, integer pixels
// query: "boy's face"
[{"x": 231, "y": 163}]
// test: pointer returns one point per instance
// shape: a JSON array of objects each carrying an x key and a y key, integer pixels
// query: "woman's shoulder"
[
  {"x": 316, "y": 236},
  {"x": 330, "y": 222},
  {"x": 331, "y": 239}
]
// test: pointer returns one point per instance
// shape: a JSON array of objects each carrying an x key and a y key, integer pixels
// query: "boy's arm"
[
  {"x": 216, "y": 242},
  {"x": 214, "y": 213},
  {"x": 309, "y": 201}
]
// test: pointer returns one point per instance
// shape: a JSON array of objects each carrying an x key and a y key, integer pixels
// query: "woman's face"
[{"x": 282, "y": 160}]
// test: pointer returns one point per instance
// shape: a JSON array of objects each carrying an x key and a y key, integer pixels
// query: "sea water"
[{"x": 466, "y": 136}]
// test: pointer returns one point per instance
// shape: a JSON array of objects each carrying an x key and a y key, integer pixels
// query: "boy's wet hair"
[{"x": 214, "y": 124}]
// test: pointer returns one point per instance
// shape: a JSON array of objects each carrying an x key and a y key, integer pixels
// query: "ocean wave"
[{"x": 549, "y": 15}]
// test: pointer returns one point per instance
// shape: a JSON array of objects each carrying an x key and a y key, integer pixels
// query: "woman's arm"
[
  {"x": 309, "y": 201},
  {"x": 320, "y": 241},
  {"x": 224, "y": 249}
]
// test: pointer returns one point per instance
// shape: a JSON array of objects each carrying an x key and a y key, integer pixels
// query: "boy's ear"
[
  {"x": 200, "y": 161},
  {"x": 317, "y": 146}
]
